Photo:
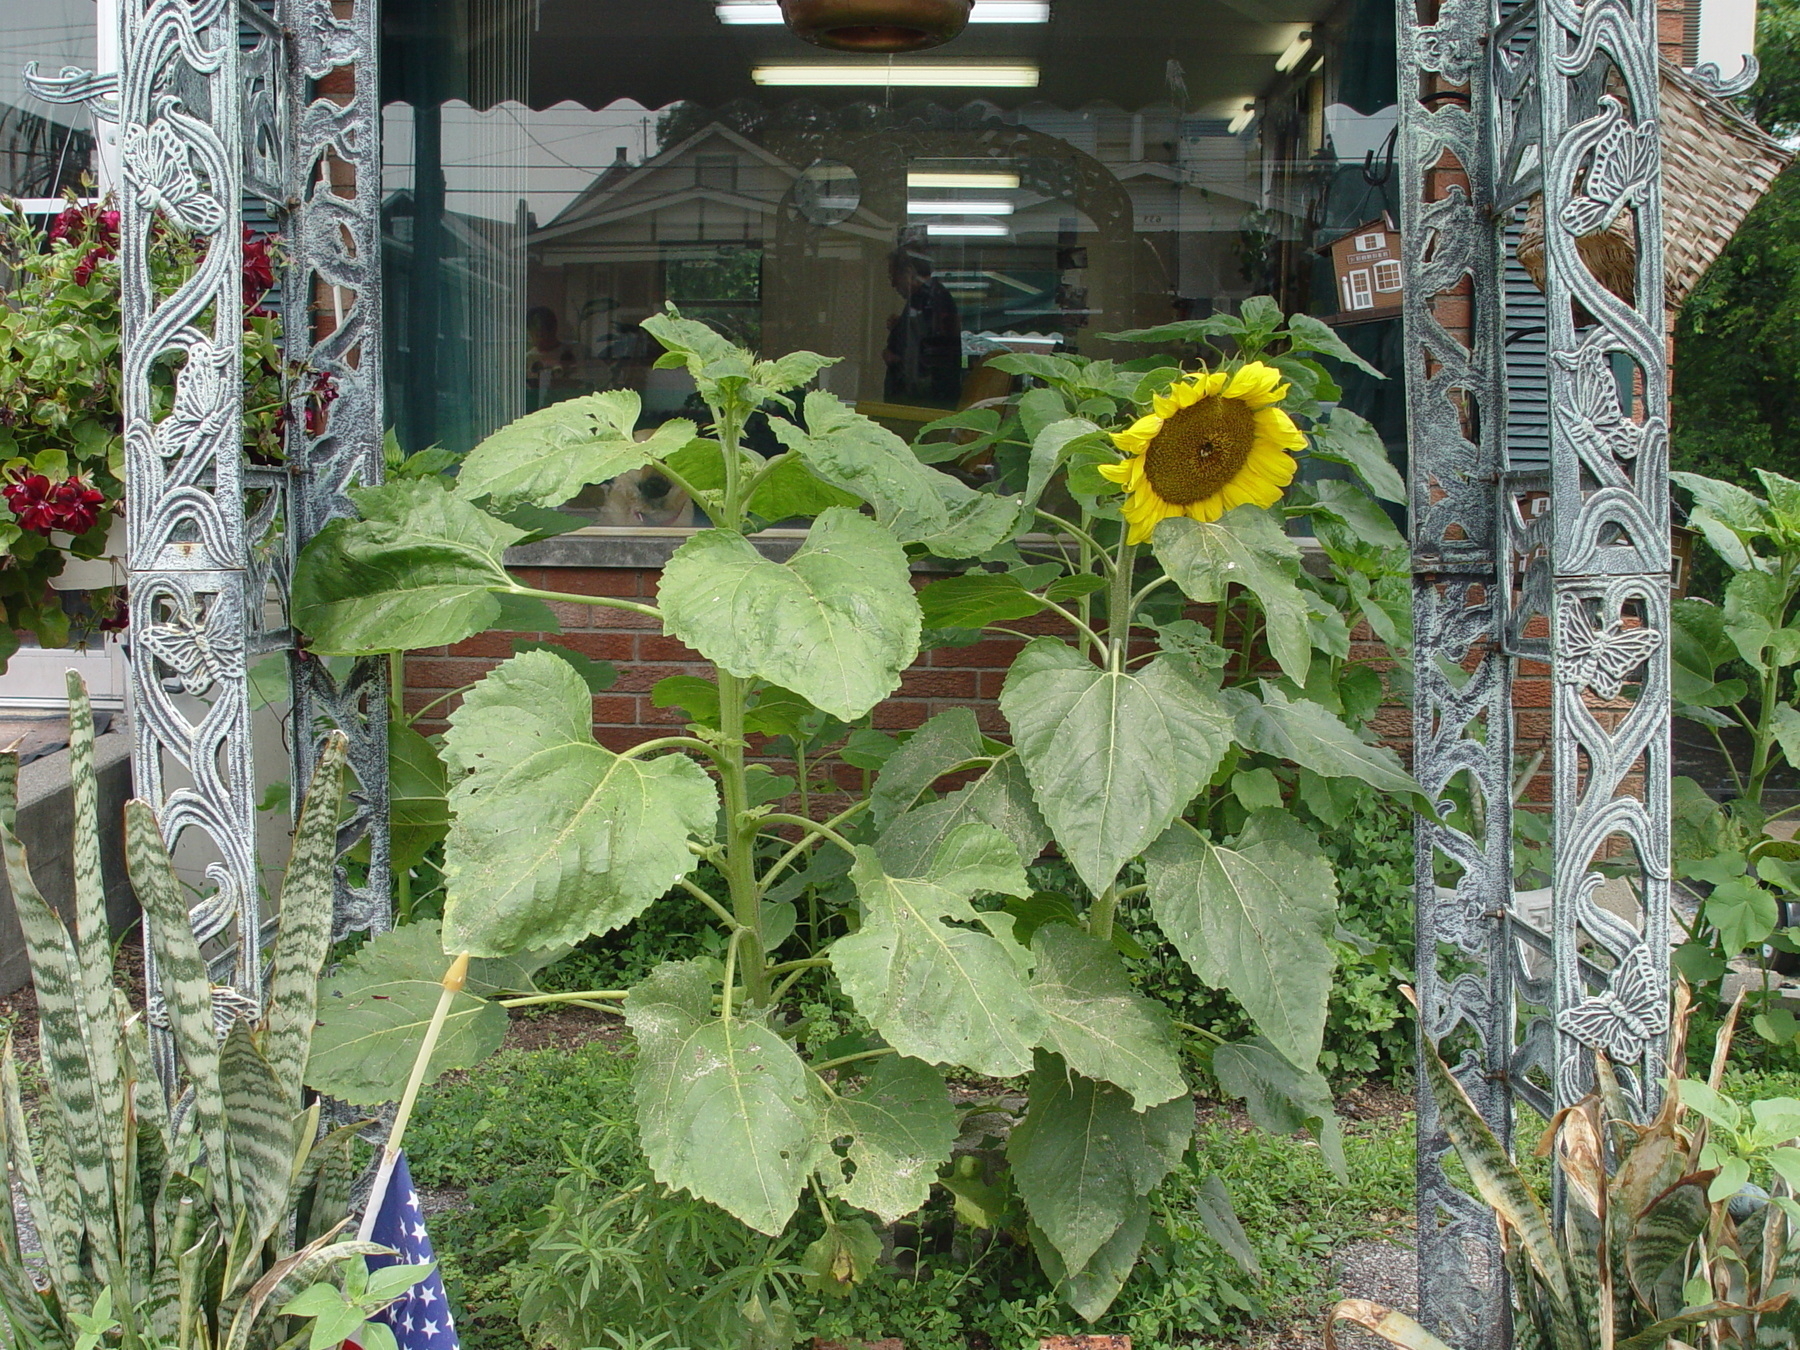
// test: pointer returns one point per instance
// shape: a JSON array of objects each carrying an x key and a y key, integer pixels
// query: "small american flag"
[{"x": 420, "y": 1319}]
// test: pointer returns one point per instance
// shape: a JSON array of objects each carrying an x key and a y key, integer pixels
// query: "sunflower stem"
[
  {"x": 1100, "y": 917},
  {"x": 1119, "y": 604}
]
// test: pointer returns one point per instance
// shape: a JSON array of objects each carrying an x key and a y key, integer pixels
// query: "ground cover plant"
[{"x": 1160, "y": 757}]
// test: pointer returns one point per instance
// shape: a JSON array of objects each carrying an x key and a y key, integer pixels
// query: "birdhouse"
[{"x": 1366, "y": 263}]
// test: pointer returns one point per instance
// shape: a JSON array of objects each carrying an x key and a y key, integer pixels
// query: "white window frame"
[{"x": 1387, "y": 276}]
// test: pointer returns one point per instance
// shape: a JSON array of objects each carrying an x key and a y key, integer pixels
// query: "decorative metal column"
[
  {"x": 220, "y": 102},
  {"x": 332, "y": 300},
  {"x": 1545, "y": 111}
]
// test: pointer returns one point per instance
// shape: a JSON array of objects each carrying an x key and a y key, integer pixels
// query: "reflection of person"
[
  {"x": 549, "y": 361},
  {"x": 924, "y": 347}
]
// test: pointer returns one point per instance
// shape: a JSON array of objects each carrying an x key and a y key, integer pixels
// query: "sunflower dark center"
[{"x": 1200, "y": 449}]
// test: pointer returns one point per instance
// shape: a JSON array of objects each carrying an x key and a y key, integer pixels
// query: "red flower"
[
  {"x": 73, "y": 505},
  {"x": 318, "y": 402},
  {"x": 259, "y": 268},
  {"x": 118, "y": 619},
  {"x": 84, "y": 270},
  {"x": 70, "y": 221}
]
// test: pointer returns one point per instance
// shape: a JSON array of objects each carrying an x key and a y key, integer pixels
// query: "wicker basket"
[{"x": 1716, "y": 166}]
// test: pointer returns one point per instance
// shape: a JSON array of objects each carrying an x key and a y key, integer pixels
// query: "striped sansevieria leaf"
[{"x": 189, "y": 1205}]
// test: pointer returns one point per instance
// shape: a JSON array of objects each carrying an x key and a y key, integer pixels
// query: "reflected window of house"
[
  {"x": 46, "y": 149},
  {"x": 559, "y": 170}
]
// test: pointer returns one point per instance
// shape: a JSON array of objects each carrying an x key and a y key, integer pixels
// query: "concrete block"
[{"x": 47, "y": 829}]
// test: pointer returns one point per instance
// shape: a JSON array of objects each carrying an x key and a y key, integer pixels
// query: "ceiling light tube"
[
  {"x": 924, "y": 208},
  {"x": 909, "y": 76},
  {"x": 1242, "y": 120},
  {"x": 768, "y": 14},
  {"x": 1298, "y": 48},
  {"x": 981, "y": 182},
  {"x": 971, "y": 231}
]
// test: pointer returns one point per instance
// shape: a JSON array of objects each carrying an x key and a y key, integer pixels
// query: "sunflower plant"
[{"x": 1184, "y": 721}]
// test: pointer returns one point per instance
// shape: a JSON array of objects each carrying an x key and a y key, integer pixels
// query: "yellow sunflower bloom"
[{"x": 1213, "y": 442}]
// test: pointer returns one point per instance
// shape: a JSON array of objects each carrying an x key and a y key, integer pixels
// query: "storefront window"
[
  {"x": 559, "y": 170},
  {"x": 45, "y": 149}
]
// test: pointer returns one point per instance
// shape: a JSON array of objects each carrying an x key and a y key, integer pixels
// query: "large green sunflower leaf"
[
  {"x": 836, "y": 624},
  {"x": 935, "y": 991},
  {"x": 1249, "y": 547},
  {"x": 1256, "y": 920},
  {"x": 901, "y": 1126},
  {"x": 1281, "y": 1098},
  {"x": 724, "y": 1106},
  {"x": 419, "y": 570},
  {"x": 1083, "y": 1156},
  {"x": 375, "y": 1008},
  {"x": 949, "y": 741},
  {"x": 916, "y": 502},
  {"x": 1112, "y": 757},
  {"x": 1344, "y": 438},
  {"x": 1090, "y": 1290},
  {"x": 1099, "y": 1023},
  {"x": 555, "y": 837},
  {"x": 1000, "y": 797},
  {"x": 1311, "y": 736},
  {"x": 546, "y": 457}
]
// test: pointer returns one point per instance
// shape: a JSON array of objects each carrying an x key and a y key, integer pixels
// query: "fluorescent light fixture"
[
  {"x": 959, "y": 208},
  {"x": 1243, "y": 119},
  {"x": 1010, "y": 11},
  {"x": 909, "y": 76},
  {"x": 1298, "y": 48},
  {"x": 973, "y": 230},
  {"x": 980, "y": 182},
  {"x": 768, "y": 14}
]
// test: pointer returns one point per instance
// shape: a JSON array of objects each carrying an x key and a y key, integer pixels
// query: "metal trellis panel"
[
  {"x": 332, "y": 299},
  {"x": 1455, "y": 389}
]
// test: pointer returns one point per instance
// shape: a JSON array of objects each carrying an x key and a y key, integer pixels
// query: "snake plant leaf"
[
  {"x": 1496, "y": 1179},
  {"x": 303, "y": 937},
  {"x": 374, "y": 1010},
  {"x": 1084, "y": 1156},
  {"x": 1112, "y": 757},
  {"x": 1257, "y": 920},
  {"x": 950, "y": 741},
  {"x": 1100, "y": 1025},
  {"x": 1660, "y": 1243},
  {"x": 419, "y": 570},
  {"x": 1091, "y": 1289},
  {"x": 1281, "y": 1098},
  {"x": 916, "y": 502},
  {"x": 1311, "y": 736},
  {"x": 935, "y": 991},
  {"x": 1000, "y": 797},
  {"x": 546, "y": 457},
  {"x": 836, "y": 624},
  {"x": 724, "y": 1105},
  {"x": 259, "y": 1128},
  {"x": 92, "y": 936},
  {"x": 187, "y": 988},
  {"x": 1247, "y": 547},
  {"x": 81, "y": 1103},
  {"x": 901, "y": 1126},
  {"x": 554, "y": 836},
  {"x": 29, "y": 1320}
]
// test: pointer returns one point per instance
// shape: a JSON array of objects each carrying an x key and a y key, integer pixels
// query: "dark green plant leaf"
[
  {"x": 1112, "y": 757},
  {"x": 1212, "y": 1202},
  {"x": 418, "y": 797},
  {"x": 1083, "y": 1156},
  {"x": 1351, "y": 441},
  {"x": 841, "y": 1259},
  {"x": 1281, "y": 1098},
  {"x": 553, "y": 836},
  {"x": 1257, "y": 919},
  {"x": 1307, "y": 334},
  {"x": 1000, "y": 797},
  {"x": 836, "y": 624},
  {"x": 725, "y": 1107},
  {"x": 948, "y": 742},
  {"x": 1309, "y": 735},
  {"x": 977, "y": 600},
  {"x": 1248, "y": 547},
  {"x": 1092, "y": 1289},
  {"x": 598, "y": 676}
]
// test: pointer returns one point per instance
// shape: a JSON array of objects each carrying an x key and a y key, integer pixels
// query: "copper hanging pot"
[{"x": 877, "y": 25}]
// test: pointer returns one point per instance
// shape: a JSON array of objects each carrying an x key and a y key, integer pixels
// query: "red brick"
[
  {"x": 635, "y": 679},
  {"x": 991, "y": 653},
  {"x": 497, "y": 646},
  {"x": 958, "y": 684},
  {"x": 576, "y": 617},
  {"x": 619, "y": 739},
  {"x": 442, "y": 672},
  {"x": 898, "y": 715},
  {"x": 623, "y": 583},
  {"x": 600, "y": 646},
  {"x": 655, "y": 647},
  {"x": 992, "y": 682},
  {"x": 618, "y": 710}
]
